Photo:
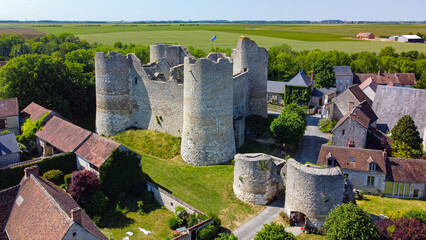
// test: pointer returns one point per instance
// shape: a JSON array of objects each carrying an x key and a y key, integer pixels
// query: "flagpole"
[{"x": 215, "y": 45}]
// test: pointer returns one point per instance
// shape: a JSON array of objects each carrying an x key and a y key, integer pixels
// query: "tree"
[
  {"x": 323, "y": 73},
  {"x": 365, "y": 62},
  {"x": 119, "y": 172},
  {"x": 273, "y": 231},
  {"x": 97, "y": 204},
  {"x": 349, "y": 221},
  {"x": 388, "y": 51},
  {"x": 290, "y": 126},
  {"x": 402, "y": 229},
  {"x": 224, "y": 236},
  {"x": 55, "y": 176},
  {"x": 83, "y": 185},
  {"x": 407, "y": 141}
]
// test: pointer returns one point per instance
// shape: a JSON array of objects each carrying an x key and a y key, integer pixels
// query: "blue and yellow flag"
[{"x": 213, "y": 38}]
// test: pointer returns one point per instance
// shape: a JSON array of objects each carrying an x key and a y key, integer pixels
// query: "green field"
[{"x": 299, "y": 36}]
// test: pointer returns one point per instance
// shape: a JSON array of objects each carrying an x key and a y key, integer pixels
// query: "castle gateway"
[{"x": 205, "y": 101}]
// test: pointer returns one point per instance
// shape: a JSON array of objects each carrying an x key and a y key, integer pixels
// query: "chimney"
[
  {"x": 351, "y": 106},
  {"x": 379, "y": 72},
  {"x": 76, "y": 214},
  {"x": 385, "y": 154},
  {"x": 31, "y": 170},
  {"x": 312, "y": 75},
  {"x": 351, "y": 144}
]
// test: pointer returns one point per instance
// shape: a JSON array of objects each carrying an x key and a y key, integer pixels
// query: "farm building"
[
  {"x": 411, "y": 39},
  {"x": 393, "y": 38},
  {"x": 365, "y": 35}
]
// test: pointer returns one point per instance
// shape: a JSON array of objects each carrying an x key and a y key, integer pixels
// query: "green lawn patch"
[
  {"x": 379, "y": 205},
  {"x": 150, "y": 142}
]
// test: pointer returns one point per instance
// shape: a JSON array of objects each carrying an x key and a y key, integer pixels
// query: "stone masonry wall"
[
  {"x": 257, "y": 178},
  {"x": 353, "y": 132},
  {"x": 359, "y": 181},
  {"x": 341, "y": 104},
  {"x": 313, "y": 191}
]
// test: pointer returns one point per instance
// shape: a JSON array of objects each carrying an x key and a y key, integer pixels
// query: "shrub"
[
  {"x": 359, "y": 194},
  {"x": 180, "y": 212},
  {"x": 394, "y": 214},
  {"x": 192, "y": 220},
  {"x": 29, "y": 128},
  {"x": 290, "y": 126},
  {"x": 83, "y": 185},
  {"x": 207, "y": 233},
  {"x": 140, "y": 208},
  {"x": 173, "y": 223},
  {"x": 96, "y": 220},
  {"x": 54, "y": 176},
  {"x": 416, "y": 213},
  {"x": 97, "y": 204},
  {"x": 402, "y": 229},
  {"x": 67, "y": 180},
  {"x": 324, "y": 123},
  {"x": 119, "y": 172},
  {"x": 349, "y": 221},
  {"x": 273, "y": 231},
  {"x": 226, "y": 236}
]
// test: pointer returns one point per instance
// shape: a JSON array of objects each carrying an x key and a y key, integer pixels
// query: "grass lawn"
[
  {"x": 379, "y": 205},
  {"x": 207, "y": 188},
  {"x": 155, "y": 221}
]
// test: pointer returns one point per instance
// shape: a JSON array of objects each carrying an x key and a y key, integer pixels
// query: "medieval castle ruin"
[{"x": 205, "y": 101}]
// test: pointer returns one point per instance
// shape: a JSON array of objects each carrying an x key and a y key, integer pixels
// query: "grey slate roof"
[
  {"x": 275, "y": 87},
  {"x": 328, "y": 90},
  {"x": 392, "y": 103},
  {"x": 317, "y": 93},
  {"x": 300, "y": 80},
  {"x": 342, "y": 70},
  {"x": 8, "y": 144}
]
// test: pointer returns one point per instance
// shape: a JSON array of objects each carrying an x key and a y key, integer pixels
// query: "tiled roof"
[
  {"x": 7, "y": 198},
  {"x": 406, "y": 170},
  {"x": 43, "y": 211},
  {"x": 360, "y": 156},
  {"x": 368, "y": 82},
  {"x": 8, "y": 144},
  {"x": 96, "y": 149},
  {"x": 2, "y": 63},
  {"x": 63, "y": 134},
  {"x": 9, "y": 107},
  {"x": 34, "y": 111},
  {"x": 358, "y": 93},
  {"x": 386, "y": 78},
  {"x": 275, "y": 87},
  {"x": 301, "y": 80},
  {"x": 342, "y": 71}
]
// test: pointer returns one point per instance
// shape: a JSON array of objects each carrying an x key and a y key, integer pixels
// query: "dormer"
[
  {"x": 331, "y": 162},
  {"x": 371, "y": 165}
]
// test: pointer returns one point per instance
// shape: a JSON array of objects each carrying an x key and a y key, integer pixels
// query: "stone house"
[
  {"x": 389, "y": 79},
  {"x": 392, "y": 103},
  {"x": 353, "y": 127},
  {"x": 374, "y": 172},
  {"x": 9, "y": 115},
  {"x": 344, "y": 77},
  {"x": 38, "y": 209},
  {"x": 345, "y": 102},
  {"x": 369, "y": 87},
  {"x": 275, "y": 91},
  {"x": 9, "y": 150},
  {"x": 328, "y": 94}
]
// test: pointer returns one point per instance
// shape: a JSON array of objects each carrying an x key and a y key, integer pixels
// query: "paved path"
[
  {"x": 312, "y": 141},
  {"x": 250, "y": 228}
]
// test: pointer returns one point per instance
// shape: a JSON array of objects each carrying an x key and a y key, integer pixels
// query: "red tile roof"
[
  {"x": 63, "y": 134},
  {"x": 406, "y": 170},
  {"x": 387, "y": 78},
  {"x": 97, "y": 149},
  {"x": 358, "y": 93},
  {"x": 43, "y": 211},
  {"x": 9, "y": 107},
  {"x": 342, "y": 156},
  {"x": 34, "y": 111},
  {"x": 7, "y": 198},
  {"x": 368, "y": 82},
  {"x": 363, "y": 114}
]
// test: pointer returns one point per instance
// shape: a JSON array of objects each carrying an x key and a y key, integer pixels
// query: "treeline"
[
  {"x": 284, "y": 63},
  {"x": 56, "y": 71}
]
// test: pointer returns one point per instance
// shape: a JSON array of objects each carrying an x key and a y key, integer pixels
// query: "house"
[
  {"x": 35, "y": 112},
  {"x": 345, "y": 102},
  {"x": 275, "y": 92},
  {"x": 59, "y": 135},
  {"x": 353, "y": 127},
  {"x": 391, "y": 104},
  {"x": 410, "y": 39},
  {"x": 374, "y": 172},
  {"x": 344, "y": 77},
  {"x": 38, "y": 209},
  {"x": 9, "y": 150},
  {"x": 388, "y": 79},
  {"x": 365, "y": 35},
  {"x": 369, "y": 88},
  {"x": 329, "y": 93},
  {"x": 9, "y": 115}
]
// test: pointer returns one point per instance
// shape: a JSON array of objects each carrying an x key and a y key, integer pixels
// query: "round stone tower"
[
  {"x": 113, "y": 111},
  {"x": 311, "y": 192},
  {"x": 207, "y": 134},
  {"x": 257, "y": 178}
]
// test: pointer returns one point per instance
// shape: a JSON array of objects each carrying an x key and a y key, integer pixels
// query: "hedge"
[{"x": 12, "y": 176}]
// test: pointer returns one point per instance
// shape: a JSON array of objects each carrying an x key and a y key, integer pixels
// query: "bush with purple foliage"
[
  {"x": 83, "y": 185},
  {"x": 402, "y": 229}
]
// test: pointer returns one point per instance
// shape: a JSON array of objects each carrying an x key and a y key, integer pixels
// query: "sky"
[{"x": 141, "y": 10}]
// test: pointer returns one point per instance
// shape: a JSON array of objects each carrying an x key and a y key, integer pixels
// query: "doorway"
[{"x": 297, "y": 219}]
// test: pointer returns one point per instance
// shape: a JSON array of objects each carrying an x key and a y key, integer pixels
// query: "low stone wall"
[{"x": 166, "y": 199}]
